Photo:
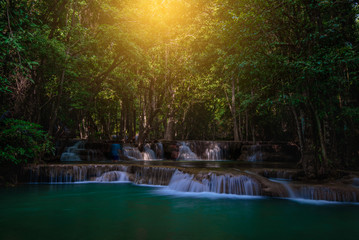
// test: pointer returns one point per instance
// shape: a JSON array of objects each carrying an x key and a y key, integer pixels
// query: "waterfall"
[
  {"x": 255, "y": 153},
  {"x": 214, "y": 152},
  {"x": 69, "y": 173},
  {"x": 240, "y": 185},
  {"x": 326, "y": 193},
  {"x": 132, "y": 153},
  {"x": 113, "y": 176},
  {"x": 71, "y": 153},
  {"x": 185, "y": 153},
  {"x": 98, "y": 173},
  {"x": 285, "y": 184},
  {"x": 178, "y": 180},
  {"x": 148, "y": 153},
  {"x": 301, "y": 192}
]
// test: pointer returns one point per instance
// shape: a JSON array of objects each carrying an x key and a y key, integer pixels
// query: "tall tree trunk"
[
  {"x": 299, "y": 131},
  {"x": 324, "y": 164},
  {"x": 56, "y": 105},
  {"x": 169, "y": 134},
  {"x": 234, "y": 115},
  {"x": 170, "y": 124},
  {"x": 239, "y": 127},
  {"x": 247, "y": 129},
  {"x": 134, "y": 121}
]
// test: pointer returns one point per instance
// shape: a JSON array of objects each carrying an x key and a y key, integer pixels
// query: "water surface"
[{"x": 127, "y": 211}]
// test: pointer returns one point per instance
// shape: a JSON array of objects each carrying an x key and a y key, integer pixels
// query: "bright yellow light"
[
  {"x": 164, "y": 12},
  {"x": 162, "y": 21}
]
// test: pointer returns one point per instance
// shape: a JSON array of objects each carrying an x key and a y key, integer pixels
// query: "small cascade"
[
  {"x": 113, "y": 176},
  {"x": 97, "y": 173},
  {"x": 159, "y": 150},
  {"x": 132, "y": 153},
  {"x": 214, "y": 152},
  {"x": 326, "y": 193},
  {"x": 314, "y": 192},
  {"x": 68, "y": 173},
  {"x": 185, "y": 153},
  {"x": 148, "y": 153},
  {"x": 240, "y": 185},
  {"x": 287, "y": 187},
  {"x": 255, "y": 153},
  {"x": 72, "y": 153}
]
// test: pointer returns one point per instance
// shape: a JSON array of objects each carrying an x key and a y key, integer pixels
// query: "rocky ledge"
[{"x": 224, "y": 181}]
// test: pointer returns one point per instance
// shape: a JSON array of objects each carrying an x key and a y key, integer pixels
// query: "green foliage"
[
  {"x": 263, "y": 70},
  {"x": 23, "y": 142}
]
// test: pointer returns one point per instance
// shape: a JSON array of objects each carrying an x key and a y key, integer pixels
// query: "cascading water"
[
  {"x": 240, "y": 185},
  {"x": 71, "y": 173},
  {"x": 300, "y": 192},
  {"x": 148, "y": 153},
  {"x": 287, "y": 187},
  {"x": 255, "y": 153},
  {"x": 71, "y": 153},
  {"x": 326, "y": 193},
  {"x": 177, "y": 180},
  {"x": 214, "y": 152},
  {"x": 132, "y": 153},
  {"x": 185, "y": 153},
  {"x": 113, "y": 176}
]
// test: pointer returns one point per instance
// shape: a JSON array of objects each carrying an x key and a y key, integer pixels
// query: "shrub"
[{"x": 23, "y": 142}]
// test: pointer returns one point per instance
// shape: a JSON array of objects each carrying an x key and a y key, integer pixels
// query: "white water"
[
  {"x": 132, "y": 153},
  {"x": 71, "y": 153},
  {"x": 214, "y": 152},
  {"x": 185, "y": 153},
  {"x": 316, "y": 193},
  {"x": 148, "y": 153},
  {"x": 240, "y": 185},
  {"x": 285, "y": 184},
  {"x": 113, "y": 176},
  {"x": 177, "y": 182},
  {"x": 209, "y": 195},
  {"x": 255, "y": 154},
  {"x": 70, "y": 174}
]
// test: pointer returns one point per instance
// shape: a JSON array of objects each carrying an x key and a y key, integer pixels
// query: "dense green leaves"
[
  {"x": 22, "y": 142},
  {"x": 243, "y": 70}
]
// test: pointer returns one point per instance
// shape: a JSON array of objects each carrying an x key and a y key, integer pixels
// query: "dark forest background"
[{"x": 242, "y": 70}]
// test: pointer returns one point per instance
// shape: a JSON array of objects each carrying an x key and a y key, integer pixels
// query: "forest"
[{"x": 241, "y": 70}]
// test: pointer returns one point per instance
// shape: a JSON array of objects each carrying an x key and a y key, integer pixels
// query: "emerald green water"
[{"x": 126, "y": 211}]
